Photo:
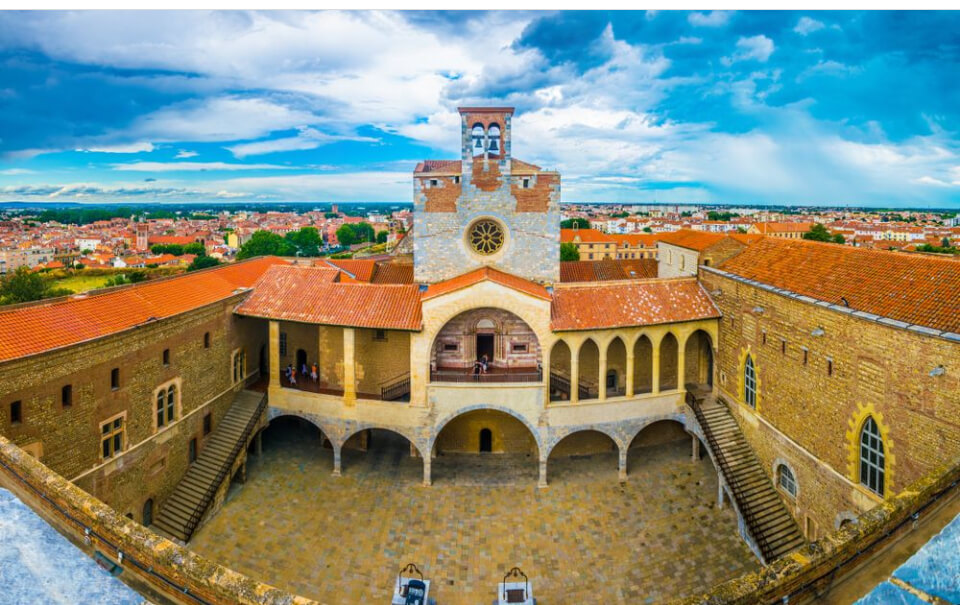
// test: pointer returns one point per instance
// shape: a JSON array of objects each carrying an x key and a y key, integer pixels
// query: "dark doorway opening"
[
  {"x": 193, "y": 450},
  {"x": 485, "y": 346},
  {"x": 301, "y": 359},
  {"x": 486, "y": 441},
  {"x": 264, "y": 369},
  {"x": 148, "y": 512}
]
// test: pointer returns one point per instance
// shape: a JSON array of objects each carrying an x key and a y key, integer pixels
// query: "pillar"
[
  {"x": 336, "y": 460},
  {"x": 319, "y": 353},
  {"x": 542, "y": 482},
  {"x": 603, "y": 375},
  {"x": 719, "y": 490},
  {"x": 574, "y": 375},
  {"x": 426, "y": 471},
  {"x": 681, "y": 366},
  {"x": 695, "y": 448},
  {"x": 349, "y": 367},
  {"x": 630, "y": 369},
  {"x": 274, "y": 339},
  {"x": 655, "y": 349},
  {"x": 623, "y": 464}
]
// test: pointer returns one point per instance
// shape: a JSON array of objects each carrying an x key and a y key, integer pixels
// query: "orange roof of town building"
[
  {"x": 911, "y": 288},
  {"x": 647, "y": 240},
  {"x": 608, "y": 269},
  {"x": 587, "y": 236},
  {"x": 486, "y": 274},
  {"x": 170, "y": 239},
  {"x": 783, "y": 227},
  {"x": 693, "y": 240},
  {"x": 310, "y": 295},
  {"x": 629, "y": 303},
  {"x": 358, "y": 269},
  {"x": 35, "y": 328}
]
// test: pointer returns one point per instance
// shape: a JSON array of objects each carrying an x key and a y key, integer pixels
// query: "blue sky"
[{"x": 859, "y": 108}]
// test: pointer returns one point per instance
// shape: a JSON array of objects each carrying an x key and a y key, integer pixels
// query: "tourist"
[
  {"x": 293, "y": 376},
  {"x": 303, "y": 370},
  {"x": 313, "y": 373},
  {"x": 484, "y": 363}
]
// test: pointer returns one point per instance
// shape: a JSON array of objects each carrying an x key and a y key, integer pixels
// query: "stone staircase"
[
  {"x": 182, "y": 511},
  {"x": 768, "y": 521}
]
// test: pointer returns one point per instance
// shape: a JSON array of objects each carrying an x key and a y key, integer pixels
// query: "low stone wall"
[
  {"x": 809, "y": 570},
  {"x": 157, "y": 568}
]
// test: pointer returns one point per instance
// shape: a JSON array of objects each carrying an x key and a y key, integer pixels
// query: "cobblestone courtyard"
[{"x": 585, "y": 539}]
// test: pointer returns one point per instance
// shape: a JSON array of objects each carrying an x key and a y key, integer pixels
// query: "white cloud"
[
  {"x": 346, "y": 186},
  {"x": 806, "y": 26},
  {"x": 138, "y": 147},
  {"x": 755, "y": 48},
  {"x": 711, "y": 19},
  {"x": 929, "y": 180},
  {"x": 307, "y": 138},
  {"x": 16, "y": 171},
  {"x": 184, "y": 154},
  {"x": 193, "y": 166}
]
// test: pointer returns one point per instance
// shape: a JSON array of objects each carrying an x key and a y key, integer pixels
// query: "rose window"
[{"x": 486, "y": 237}]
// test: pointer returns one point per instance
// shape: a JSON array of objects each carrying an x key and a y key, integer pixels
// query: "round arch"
[
  {"x": 438, "y": 428},
  {"x": 584, "y": 453},
  {"x": 359, "y": 428},
  {"x": 275, "y": 413},
  {"x": 561, "y": 357}
]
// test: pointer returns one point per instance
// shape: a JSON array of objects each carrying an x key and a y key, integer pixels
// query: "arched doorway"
[
  {"x": 663, "y": 443},
  {"x": 616, "y": 368},
  {"x": 381, "y": 453},
  {"x": 642, "y": 366},
  {"x": 148, "y": 512},
  {"x": 509, "y": 448},
  {"x": 589, "y": 358},
  {"x": 486, "y": 345},
  {"x": 301, "y": 360},
  {"x": 698, "y": 361},
  {"x": 669, "y": 352},
  {"x": 560, "y": 372},
  {"x": 584, "y": 456}
]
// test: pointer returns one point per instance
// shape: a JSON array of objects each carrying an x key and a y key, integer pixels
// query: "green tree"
[
  {"x": 194, "y": 248},
  {"x": 23, "y": 285},
  {"x": 203, "y": 262},
  {"x": 382, "y": 237},
  {"x": 174, "y": 249},
  {"x": 136, "y": 277},
  {"x": 647, "y": 230},
  {"x": 569, "y": 251},
  {"x": 818, "y": 233},
  {"x": 307, "y": 241},
  {"x": 570, "y": 223},
  {"x": 839, "y": 239},
  {"x": 265, "y": 243},
  {"x": 346, "y": 236},
  {"x": 364, "y": 232}
]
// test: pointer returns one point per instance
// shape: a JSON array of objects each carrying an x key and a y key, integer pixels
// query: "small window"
[
  {"x": 749, "y": 383},
  {"x": 519, "y": 347},
  {"x": 207, "y": 423},
  {"x": 166, "y": 357},
  {"x": 206, "y": 340},
  {"x": 450, "y": 347},
  {"x": 526, "y": 183},
  {"x": 283, "y": 344},
  {"x": 806, "y": 356},
  {"x": 66, "y": 395},
  {"x": 829, "y": 367},
  {"x": 111, "y": 437},
  {"x": 434, "y": 182},
  {"x": 763, "y": 337},
  {"x": 456, "y": 180},
  {"x": 786, "y": 480},
  {"x": 193, "y": 450},
  {"x": 16, "y": 412},
  {"x": 115, "y": 378},
  {"x": 379, "y": 334},
  {"x": 148, "y": 512},
  {"x": 783, "y": 347}
]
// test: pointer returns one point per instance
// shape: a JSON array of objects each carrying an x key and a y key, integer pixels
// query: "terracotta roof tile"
[
  {"x": 912, "y": 288},
  {"x": 36, "y": 328},
  {"x": 392, "y": 273},
  {"x": 693, "y": 240},
  {"x": 308, "y": 295},
  {"x": 631, "y": 303},
  {"x": 586, "y": 236},
  {"x": 359, "y": 269},
  {"x": 482, "y": 274},
  {"x": 609, "y": 269}
]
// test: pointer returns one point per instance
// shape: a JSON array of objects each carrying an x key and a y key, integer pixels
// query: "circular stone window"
[{"x": 485, "y": 237}]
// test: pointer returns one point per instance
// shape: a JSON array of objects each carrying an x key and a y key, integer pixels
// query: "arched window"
[
  {"x": 160, "y": 409},
  {"x": 786, "y": 480},
  {"x": 493, "y": 140},
  {"x": 476, "y": 138},
  {"x": 749, "y": 383},
  {"x": 871, "y": 457}
]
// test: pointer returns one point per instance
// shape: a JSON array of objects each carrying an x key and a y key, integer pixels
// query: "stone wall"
[
  {"x": 820, "y": 374},
  {"x": 674, "y": 261},
  {"x": 508, "y": 434}
]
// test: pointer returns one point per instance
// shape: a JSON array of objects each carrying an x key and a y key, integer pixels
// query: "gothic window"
[
  {"x": 786, "y": 480},
  {"x": 749, "y": 383},
  {"x": 485, "y": 237},
  {"x": 871, "y": 457},
  {"x": 493, "y": 140},
  {"x": 476, "y": 140}
]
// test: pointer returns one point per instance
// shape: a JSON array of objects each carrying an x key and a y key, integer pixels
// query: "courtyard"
[{"x": 586, "y": 538}]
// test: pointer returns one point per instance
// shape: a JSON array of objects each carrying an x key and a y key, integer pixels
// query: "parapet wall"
[
  {"x": 161, "y": 570},
  {"x": 809, "y": 571}
]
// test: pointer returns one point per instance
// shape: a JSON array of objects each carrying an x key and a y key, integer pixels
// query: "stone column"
[
  {"x": 695, "y": 449},
  {"x": 623, "y": 463},
  {"x": 656, "y": 369},
  {"x": 426, "y": 471},
  {"x": 274, "y": 339},
  {"x": 681, "y": 366},
  {"x": 719, "y": 490},
  {"x": 349, "y": 367},
  {"x": 336, "y": 459},
  {"x": 630, "y": 369},
  {"x": 543, "y": 473},
  {"x": 603, "y": 375},
  {"x": 575, "y": 376}
]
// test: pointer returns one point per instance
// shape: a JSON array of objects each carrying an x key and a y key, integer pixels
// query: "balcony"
[{"x": 492, "y": 375}]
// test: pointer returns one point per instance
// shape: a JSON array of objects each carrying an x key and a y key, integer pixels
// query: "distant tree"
[
  {"x": 265, "y": 243},
  {"x": 945, "y": 242},
  {"x": 818, "y": 233},
  {"x": 571, "y": 223},
  {"x": 364, "y": 232},
  {"x": 741, "y": 230},
  {"x": 136, "y": 277},
  {"x": 569, "y": 251},
  {"x": 203, "y": 262},
  {"x": 194, "y": 248},
  {"x": 86, "y": 251},
  {"x": 714, "y": 215},
  {"x": 839, "y": 239},
  {"x": 346, "y": 235},
  {"x": 307, "y": 241},
  {"x": 647, "y": 230},
  {"x": 174, "y": 249},
  {"x": 382, "y": 236},
  {"x": 331, "y": 214},
  {"x": 23, "y": 285}
]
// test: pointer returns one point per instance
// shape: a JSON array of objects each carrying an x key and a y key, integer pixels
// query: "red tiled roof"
[
  {"x": 783, "y": 227},
  {"x": 360, "y": 269},
  {"x": 170, "y": 239},
  {"x": 41, "y": 327},
  {"x": 609, "y": 269},
  {"x": 906, "y": 287},
  {"x": 586, "y": 236},
  {"x": 308, "y": 295},
  {"x": 693, "y": 240},
  {"x": 392, "y": 273},
  {"x": 486, "y": 273},
  {"x": 631, "y": 303}
]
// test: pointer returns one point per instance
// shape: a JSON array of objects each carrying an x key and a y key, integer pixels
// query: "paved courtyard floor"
[{"x": 585, "y": 539}]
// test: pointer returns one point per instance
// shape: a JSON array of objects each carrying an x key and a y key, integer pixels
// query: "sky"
[{"x": 836, "y": 108}]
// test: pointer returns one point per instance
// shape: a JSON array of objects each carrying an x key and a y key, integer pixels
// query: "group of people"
[
  {"x": 312, "y": 371},
  {"x": 482, "y": 365}
]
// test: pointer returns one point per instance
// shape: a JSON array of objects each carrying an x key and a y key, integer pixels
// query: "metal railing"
[
  {"x": 395, "y": 388},
  {"x": 211, "y": 490},
  {"x": 498, "y": 377},
  {"x": 727, "y": 469},
  {"x": 559, "y": 382}
]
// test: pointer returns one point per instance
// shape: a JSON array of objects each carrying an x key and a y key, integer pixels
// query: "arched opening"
[
  {"x": 148, "y": 512},
  {"x": 476, "y": 140},
  {"x": 584, "y": 456},
  {"x": 872, "y": 463},
  {"x": 508, "y": 446},
  {"x": 560, "y": 372},
  {"x": 589, "y": 358},
  {"x": 661, "y": 443},
  {"x": 296, "y": 436},
  {"x": 301, "y": 362},
  {"x": 616, "y": 368},
  {"x": 381, "y": 452},
  {"x": 493, "y": 140},
  {"x": 486, "y": 345},
  {"x": 698, "y": 359},
  {"x": 669, "y": 352},
  {"x": 642, "y": 366}
]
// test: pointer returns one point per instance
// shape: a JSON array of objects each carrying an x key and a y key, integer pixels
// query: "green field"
[{"x": 81, "y": 283}]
